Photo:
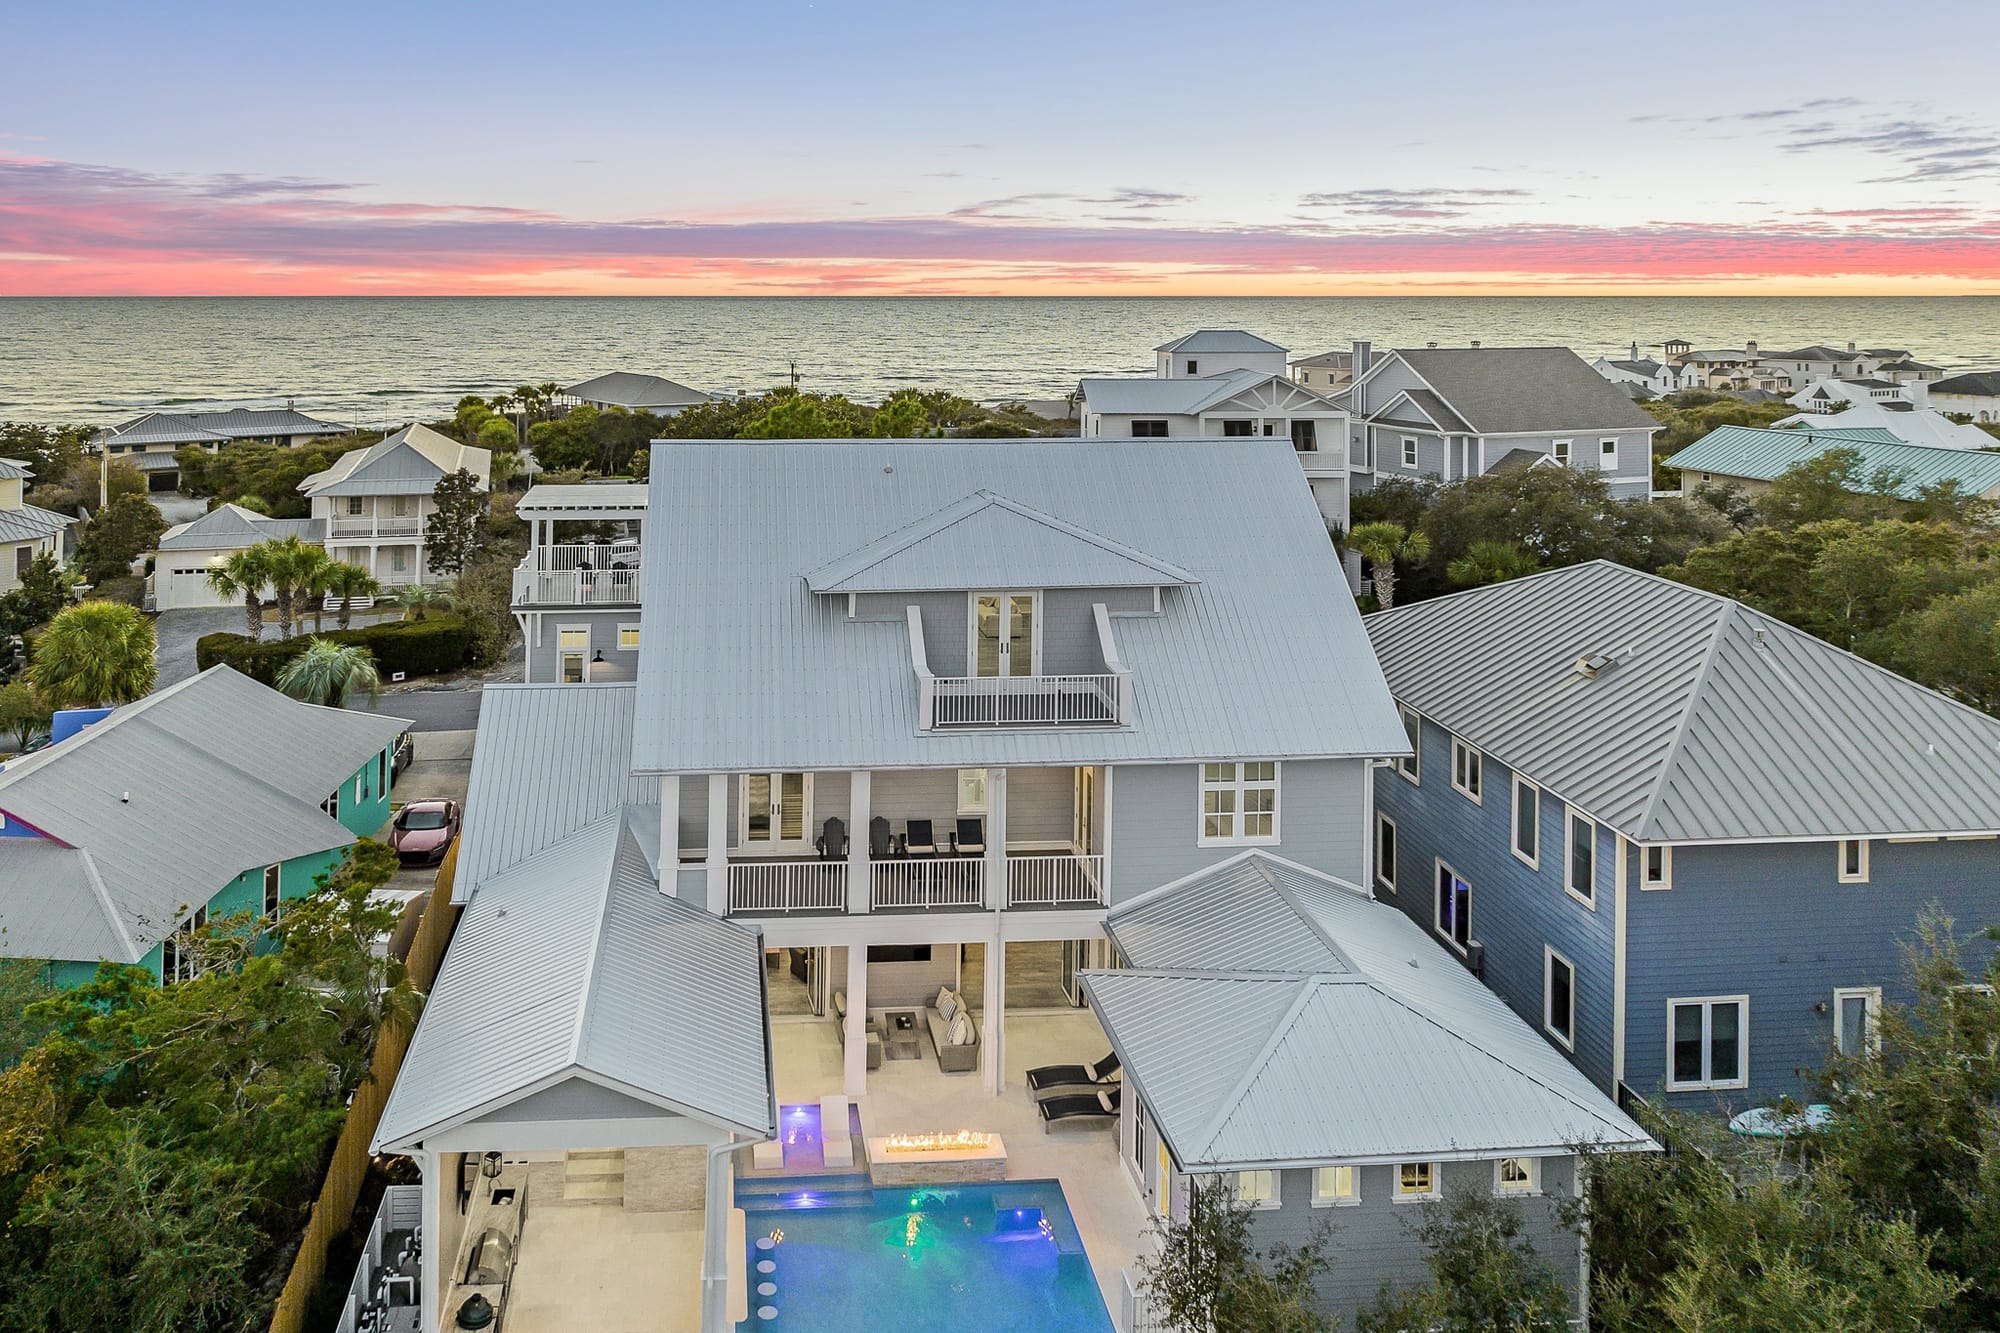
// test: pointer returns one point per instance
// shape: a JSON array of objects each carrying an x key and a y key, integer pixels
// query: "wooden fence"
[{"x": 345, "y": 1174}]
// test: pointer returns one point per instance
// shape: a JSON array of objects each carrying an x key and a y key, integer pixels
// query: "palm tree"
[
  {"x": 1491, "y": 562},
  {"x": 244, "y": 574},
  {"x": 295, "y": 568},
  {"x": 94, "y": 654},
  {"x": 348, "y": 582},
  {"x": 419, "y": 598},
  {"x": 1383, "y": 544},
  {"x": 330, "y": 673}
]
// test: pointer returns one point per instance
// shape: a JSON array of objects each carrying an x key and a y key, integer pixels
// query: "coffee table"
[{"x": 899, "y": 1033}]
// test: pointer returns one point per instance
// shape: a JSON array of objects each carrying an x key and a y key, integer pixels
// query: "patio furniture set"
[
  {"x": 918, "y": 838},
  {"x": 1076, "y": 1092}
]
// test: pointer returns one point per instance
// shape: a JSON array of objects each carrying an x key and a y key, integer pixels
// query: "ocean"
[{"x": 383, "y": 361}]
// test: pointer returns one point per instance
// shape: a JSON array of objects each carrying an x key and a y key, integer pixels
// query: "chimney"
[
  {"x": 1635, "y": 349},
  {"x": 1475, "y": 342},
  {"x": 1751, "y": 348},
  {"x": 1850, "y": 347}
]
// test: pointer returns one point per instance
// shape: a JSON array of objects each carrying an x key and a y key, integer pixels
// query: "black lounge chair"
[
  {"x": 1087, "y": 1106},
  {"x": 919, "y": 840},
  {"x": 832, "y": 841},
  {"x": 880, "y": 843},
  {"x": 1097, "y": 1075},
  {"x": 970, "y": 838}
]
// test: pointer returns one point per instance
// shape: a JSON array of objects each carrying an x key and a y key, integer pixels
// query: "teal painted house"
[{"x": 212, "y": 797}]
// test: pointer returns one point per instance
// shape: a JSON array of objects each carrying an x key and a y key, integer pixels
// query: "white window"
[
  {"x": 1465, "y": 765},
  {"x": 1517, "y": 1175},
  {"x": 1607, "y": 455},
  {"x": 1853, "y": 860},
  {"x": 382, "y": 772},
  {"x": 972, "y": 791},
  {"x": 1580, "y": 865},
  {"x": 628, "y": 638},
  {"x": 1336, "y": 1185},
  {"x": 353, "y": 505},
  {"x": 1416, "y": 1180},
  {"x": 776, "y": 811},
  {"x": 1656, "y": 867},
  {"x": 1855, "y": 1012},
  {"x": 1409, "y": 451},
  {"x": 180, "y": 960},
  {"x": 1528, "y": 822},
  {"x": 273, "y": 895},
  {"x": 1385, "y": 852},
  {"x": 361, "y": 785},
  {"x": 1259, "y": 1189},
  {"x": 1239, "y": 803},
  {"x": 1559, "y": 998},
  {"x": 400, "y": 506},
  {"x": 399, "y": 559},
  {"x": 331, "y": 805},
  {"x": 1453, "y": 919},
  {"x": 573, "y": 654},
  {"x": 1561, "y": 451},
  {"x": 1708, "y": 1041},
  {"x": 1411, "y": 765}
]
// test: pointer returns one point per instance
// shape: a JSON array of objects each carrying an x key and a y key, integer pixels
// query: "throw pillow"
[
  {"x": 1104, "y": 1100},
  {"x": 946, "y": 1003},
  {"x": 960, "y": 1031}
]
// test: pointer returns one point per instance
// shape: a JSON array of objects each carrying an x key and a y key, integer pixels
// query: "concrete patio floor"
[
  {"x": 596, "y": 1267},
  {"x": 910, "y": 1096}
]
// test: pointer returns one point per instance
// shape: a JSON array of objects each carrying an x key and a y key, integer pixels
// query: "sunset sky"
[{"x": 1158, "y": 148}]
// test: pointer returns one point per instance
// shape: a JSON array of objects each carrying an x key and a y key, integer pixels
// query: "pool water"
[{"x": 841, "y": 1257}]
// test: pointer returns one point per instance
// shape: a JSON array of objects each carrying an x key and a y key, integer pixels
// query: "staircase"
[
  {"x": 332, "y": 603},
  {"x": 596, "y": 1176}
]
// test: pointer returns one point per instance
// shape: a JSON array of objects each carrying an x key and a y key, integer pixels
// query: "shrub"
[{"x": 440, "y": 643}]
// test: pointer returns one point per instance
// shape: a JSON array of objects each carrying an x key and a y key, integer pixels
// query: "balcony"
[
  {"x": 578, "y": 575},
  {"x": 761, "y": 887},
  {"x": 361, "y": 525},
  {"x": 928, "y": 881},
  {"x": 757, "y": 887},
  {"x": 1062, "y": 880},
  {"x": 1025, "y": 701}
]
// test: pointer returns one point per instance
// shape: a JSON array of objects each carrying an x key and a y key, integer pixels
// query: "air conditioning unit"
[{"x": 1475, "y": 958}]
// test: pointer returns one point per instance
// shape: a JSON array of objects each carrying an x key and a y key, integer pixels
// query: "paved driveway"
[
  {"x": 178, "y": 630},
  {"x": 440, "y": 766}
]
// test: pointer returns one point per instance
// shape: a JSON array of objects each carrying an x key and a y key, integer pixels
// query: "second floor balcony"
[
  {"x": 367, "y": 525},
  {"x": 1007, "y": 696},
  {"x": 759, "y": 886},
  {"x": 579, "y": 574}
]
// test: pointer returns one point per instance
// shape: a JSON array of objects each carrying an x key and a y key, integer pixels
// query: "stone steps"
[{"x": 596, "y": 1176}]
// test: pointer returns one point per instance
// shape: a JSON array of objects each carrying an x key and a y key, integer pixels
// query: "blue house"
[
  {"x": 212, "y": 797},
  {"x": 1683, "y": 839}
]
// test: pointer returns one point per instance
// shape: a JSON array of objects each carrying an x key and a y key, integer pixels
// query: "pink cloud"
[{"x": 69, "y": 228}]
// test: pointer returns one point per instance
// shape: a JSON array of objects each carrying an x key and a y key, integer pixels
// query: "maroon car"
[{"x": 423, "y": 830}]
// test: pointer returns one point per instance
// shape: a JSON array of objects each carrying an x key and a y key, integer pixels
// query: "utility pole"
[{"x": 795, "y": 373}]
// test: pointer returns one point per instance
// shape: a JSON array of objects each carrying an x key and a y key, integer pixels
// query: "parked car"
[
  {"x": 423, "y": 830},
  {"x": 399, "y": 758}
]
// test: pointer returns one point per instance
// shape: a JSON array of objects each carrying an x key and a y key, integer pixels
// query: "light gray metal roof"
[
  {"x": 53, "y": 905},
  {"x": 160, "y": 428},
  {"x": 1715, "y": 723},
  {"x": 558, "y": 501},
  {"x": 1219, "y": 340},
  {"x": 237, "y": 423},
  {"x": 548, "y": 760},
  {"x": 30, "y": 523},
  {"x": 1524, "y": 390},
  {"x": 1264, "y": 657},
  {"x": 988, "y": 541},
  {"x": 1910, "y": 424},
  {"x": 1339, "y": 360},
  {"x": 231, "y": 527},
  {"x": 1764, "y": 455},
  {"x": 1394, "y": 1053},
  {"x": 13, "y": 469},
  {"x": 1188, "y": 397},
  {"x": 623, "y": 388},
  {"x": 160, "y": 462},
  {"x": 410, "y": 462},
  {"x": 574, "y": 966},
  {"x": 170, "y": 798}
]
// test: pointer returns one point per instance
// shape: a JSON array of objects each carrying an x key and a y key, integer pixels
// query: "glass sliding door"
[
  {"x": 1005, "y": 634},
  {"x": 776, "y": 812}
]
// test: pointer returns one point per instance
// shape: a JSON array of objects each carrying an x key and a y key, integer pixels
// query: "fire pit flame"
[{"x": 963, "y": 1140}]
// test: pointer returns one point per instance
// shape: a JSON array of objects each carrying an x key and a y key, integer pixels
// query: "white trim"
[
  {"x": 1872, "y": 1034},
  {"x": 1260, "y": 1203},
  {"x": 1647, "y": 883},
  {"x": 1440, "y": 868},
  {"x": 1350, "y": 1199},
  {"x": 1474, "y": 767},
  {"x": 274, "y": 890},
  {"x": 1412, "y": 768},
  {"x": 1531, "y": 1187},
  {"x": 1533, "y": 862},
  {"x": 1402, "y": 1195},
  {"x": 1571, "y": 818},
  {"x": 1840, "y": 862},
  {"x": 1034, "y": 596},
  {"x": 1707, "y": 1004},
  {"x": 1240, "y": 786},
  {"x": 1387, "y": 881},
  {"x": 632, "y": 628},
  {"x": 777, "y": 842},
  {"x": 1549, "y": 960},
  {"x": 974, "y": 808},
  {"x": 1410, "y": 452},
  {"x": 1622, "y": 912},
  {"x": 1563, "y": 451}
]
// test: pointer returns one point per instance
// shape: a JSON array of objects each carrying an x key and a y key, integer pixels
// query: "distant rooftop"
[{"x": 1219, "y": 340}]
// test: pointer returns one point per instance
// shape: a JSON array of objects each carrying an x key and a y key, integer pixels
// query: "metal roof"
[
  {"x": 1715, "y": 722},
  {"x": 1170, "y": 397},
  {"x": 237, "y": 763},
  {"x": 575, "y": 966},
  {"x": 410, "y": 462},
  {"x": 1264, "y": 657},
  {"x": 1975, "y": 383},
  {"x": 30, "y": 523},
  {"x": 548, "y": 760},
  {"x": 154, "y": 462},
  {"x": 1764, "y": 455},
  {"x": 1912, "y": 425},
  {"x": 1338, "y": 359},
  {"x": 1523, "y": 390},
  {"x": 566, "y": 501},
  {"x": 623, "y": 388},
  {"x": 13, "y": 469},
  {"x": 231, "y": 527},
  {"x": 1219, "y": 340},
  {"x": 237, "y": 423},
  {"x": 988, "y": 541},
  {"x": 1239, "y": 1052}
]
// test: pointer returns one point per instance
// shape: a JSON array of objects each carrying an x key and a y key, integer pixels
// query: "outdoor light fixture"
[{"x": 490, "y": 1168}]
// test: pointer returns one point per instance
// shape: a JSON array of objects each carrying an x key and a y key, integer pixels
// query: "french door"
[
  {"x": 776, "y": 813},
  {"x": 1006, "y": 634}
]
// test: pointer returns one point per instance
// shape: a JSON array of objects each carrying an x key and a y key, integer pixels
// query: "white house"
[
  {"x": 26, "y": 531},
  {"x": 188, "y": 551},
  {"x": 1826, "y": 395},
  {"x": 1207, "y": 352},
  {"x": 373, "y": 502},
  {"x": 1329, "y": 372},
  {"x": 1910, "y": 424},
  {"x": 149, "y": 442},
  {"x": 637, "y": 393},
  {"x": 1975, "y": 394},
  {"x": 1657, "y": 378}
]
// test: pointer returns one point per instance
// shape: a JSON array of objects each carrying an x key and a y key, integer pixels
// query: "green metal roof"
[{"x": 1765, "y": 455}]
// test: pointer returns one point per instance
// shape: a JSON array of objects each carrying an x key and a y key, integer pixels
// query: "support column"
[
  {"x": 859, "y": 871},
  {"x": 996, "y": 838},
  {"x": 993, "y": 1042},
  {"x": 718, "y": 844},
  {"x": 717, "y": 1199},
  {"x": 855, "y": 1052},
  {"x": 670, "y": 834},
  {"x": 432, "y": 1263}
]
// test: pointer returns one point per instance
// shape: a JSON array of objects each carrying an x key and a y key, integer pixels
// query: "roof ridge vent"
[{"x": 1591, "y": 664}]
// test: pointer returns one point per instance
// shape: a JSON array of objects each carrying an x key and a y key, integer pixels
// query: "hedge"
[{"x": 437, "y": 643}]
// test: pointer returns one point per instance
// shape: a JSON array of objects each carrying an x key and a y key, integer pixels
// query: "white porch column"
[
  {"x": 993, "y": 1056},
  {"x": 717, "y": 1200},
  {"x": 429, "y": 1291},
  {"x": 996, "y": 838},
  {"x": 670, "y": 833},
  {"x": 859, "y": 872},
  {"x": 718, "y": 843},
  {"x": 855, "y": 1052}
]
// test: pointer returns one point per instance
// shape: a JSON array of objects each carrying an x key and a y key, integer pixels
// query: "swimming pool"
[{"x": 846, "y": 1258}]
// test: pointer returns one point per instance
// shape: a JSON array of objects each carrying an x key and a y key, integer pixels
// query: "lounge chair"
[
  {"x": 919, "y": 840},
  {"x": 1047, "y": 1078},
  {"x": 1087, "y": 1106},
  {"x": 880, "y": 843},
  {"x": 970, "y": 838},
  {"x": 832, "y": 842}
]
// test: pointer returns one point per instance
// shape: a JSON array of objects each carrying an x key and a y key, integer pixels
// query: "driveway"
[
  {"x": 440, "y": 767},
  {"x": 178, "y": 630}
]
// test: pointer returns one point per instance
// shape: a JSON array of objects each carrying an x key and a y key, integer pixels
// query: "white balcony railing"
[
  {"x": 930, "y": 881},
  {"x": 1055, "y": 881},
  {"x": 578, "y": 574},
  {"x": 788, "y": 886},
  {"x": 1026, "y": 701},
  {"x": 374, "y": 527}
]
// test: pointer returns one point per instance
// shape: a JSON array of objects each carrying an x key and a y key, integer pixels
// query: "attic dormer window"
[{"x": 1191, "y": 367}]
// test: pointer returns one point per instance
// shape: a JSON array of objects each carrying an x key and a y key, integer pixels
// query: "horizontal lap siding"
[
  {"x": 1772, "y": 922},
  {"x": 1155, "y": 813},
  {"x": 1516, "y": 911}
]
